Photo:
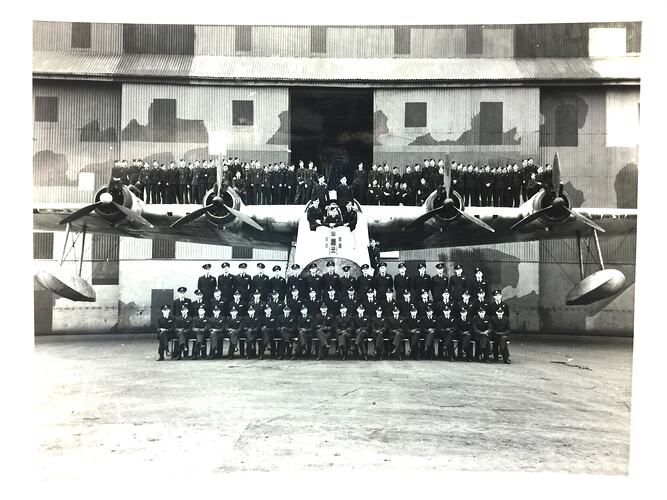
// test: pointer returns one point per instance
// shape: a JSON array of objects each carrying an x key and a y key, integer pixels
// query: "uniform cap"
[
  {"x": 395, "y": 310},
  {"x": 500, "y": 310},
  {"x": 446, "y": 309},
  {"x": 331, "y": 263},
  {"x": 331, "y": 289},
  {"x": 323, "y": 306},
  {"x": 424, "y": 292},
  {"x": 421, "y": 266},
  {"x": 370, "y": 291},
  {"x": 206, "y": 266},
  {"x": 286, "y": 308},
  {"x": 256, "y": 292},
  {"x": 275, "y": 292},
  {"x": 197, "y": 292},
  {"x": 294, "y": 289},
  {"x": 243, "y": 265},
  {"x": 233, "y": 309},
  {"x": 439, "y": 265},
  {"x": 311, "y": 290},
  {"x": 343, "y": 306},
  {"x": 389, "y": 290},
  {"x": 237, "y": 292},
  {"x": 166, "y": 307},
  {"x": 458, "y": 266},
  {"x": 216, "y": 289},
  {"x": 267, "y": 307},
  {"x": 496, "y": 292},
  {"x": 261, "y": 265},
  {"x": 201, "y": 307},
  {"x": 481, "y": 292},
  {"x": 429, "y": 309},
  {"x": 304, "y": 307},
  {"x": 182, "y": 289},
  {"x": 216, "y": 308},
  {"x": 401, "y": 265},
  {"x": 364, "y": 266},
  {"x": 296, "y": 266},
  {"x": 360, "y": 307},
  {"x": 184, "y": 308},
  {"x": 412, "y": 308},
  {"x": 276, "y": 268},
  {"x": 382, "y": 264},
  {"x": 406, "y": 292},
  {"x": 351, "y": 288},
  {"x": 346, "y": 268},
  {"x": 466, "y": 292},
  {"x": 312, "y": 266}
]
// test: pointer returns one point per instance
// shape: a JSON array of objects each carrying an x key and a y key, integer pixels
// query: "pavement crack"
[{"x": 581, "y": 367}]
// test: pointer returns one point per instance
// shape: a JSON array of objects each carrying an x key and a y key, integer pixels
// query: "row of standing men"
[{"x": 380, "y": 185}]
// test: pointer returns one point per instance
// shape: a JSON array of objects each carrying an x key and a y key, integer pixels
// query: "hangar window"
[
  {"x": 318, "y": 39},
  {"x": 46, "y": 109},
  {"x": 42, "y": 246},
  {"x": 243, "y": 38},
  {"x": 242, "y": 113},
  {"x": 402, "y": 40},
  {"x": 474, "y": 40},
  {"x": 163, "y": 249},
  {"x": 80, "y": 35},
  {"x": 415, "y": 114},
  {"x": 567, "y": 129},
  {"x": 241, "y": 252},
  {"x": 491, "y": 123},
  {"x": 105, "y": 259}
]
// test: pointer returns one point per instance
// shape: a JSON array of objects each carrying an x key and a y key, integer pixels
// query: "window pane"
[
  {"x": 242, "y": 113},
  {"x": 318, "y": 39},
  {"x": 163, "y": 249},
  {"x": 474, "y": 40},
  {"x": 491, "y": 123},
  {"x": 80, "y": 35},
  {"x": 402, "y": 40},
  {"x": 415, "y": 114},
  {"x": 42, "y": 245},
  {"x": 46, "y": 109},
  {"x": 243, "y": 38}
]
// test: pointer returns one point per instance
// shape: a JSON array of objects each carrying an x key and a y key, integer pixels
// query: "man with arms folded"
[
  {"x": 304, "y": 328},
  {"x": 481, "y": 329},
  {"x": 447, "y": 333},
  {"x": 286, "y": 326},
  {"x": 361, "y": 325},
  {"x": 182, "y": 324},
  {"x": 216, "y": 329},
  {"x": 344, "y": 328},
  {"x": 500, "y": 331}
]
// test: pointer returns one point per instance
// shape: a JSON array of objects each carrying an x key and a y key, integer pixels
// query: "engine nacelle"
[
  {"x": 218, "y": 215},
  {"x": 444, "y": 216},
  {"x": 557, "y": 214},
  {"x": 108, "y": 211}
]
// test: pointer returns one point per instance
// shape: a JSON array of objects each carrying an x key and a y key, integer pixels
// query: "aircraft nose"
[{"x": 106, "y": 198}]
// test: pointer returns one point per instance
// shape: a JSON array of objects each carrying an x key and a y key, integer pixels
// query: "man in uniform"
[
  {"x": 332, "y": 302},
  {"x": 500, "y": 330},
  {"x": 320, "y": 191},
  {"x": 260, "y": 282},
  {"x": 304, "y": 327},
  {"x": 237, "y": 304},
  {"x": 351, "y": 299},
  {"x": 497, "y": 302},
  {"x": 286, "y": 329},
  {"x": 294, "y": 301},
  {"x": 197, "y": 303},
  {"x": 330, "y": 279},
  {"x": 423, "y": 304},
  {"x": 312, "y": 303},
  {"x": 439, "y": 282},
  {"x": 479, "y": 283},
  {"x": 234, "y": 327},
  {"x": 361, "y": 328},
  {"x": 480, "y": 303},
  {"x": 346, "y": 281},
  {"x": 184, "y": 176},
  {"x": 165, "y": 330},
  {"x": 314, "y": 215},
  {"x": 486, "y": 182},
  {"x": 182, "y": 325},
  {"x": 422, "y": 281},
  {"x": 294, "y": 280},
  {"x": 257, "y": 303},
  {"x": 445, "y": 302},
  {"x": 364, "y": 282},
  {"x": 373, "y": 196},
  {"x": 350, "y": 216},
  {"x": 300, "y": 174},
  {"x": 207, "y": 283},
  {"x": 430, "y": 332},
  {"x": 344, "y": 328},
  {"x": 446, "y": 326},
  {"x": 278, "y": 283},
  {"x": 180, "y": 301},
  {"x": 360, "y": 184},
  {"x": 199, "y": 328},
  {"x": 216, "y": 301},
  {"x": 243, "y": 282},
  {"x": 388, "y": 302},
  {"x": 464, "y": 334},
  {"x": 377, "y": 324},
  {"x": 269, "y": 329},
  {"x": 413, "y": 330},
  {"x": 464, "y": 303},
  {"x": 481, "y": 329},
  {"x": 276, "y": 304},
  {"x": 383, "y": 281},
  {"x": 402, "y": 281},
  {"x": 457, "y": 283},
  {"x": 226, "y": 283},
  {"x": 171, "y": 182},
  {"x": 370, "y": 302},
  {"x": 405, "y": 303},
  {"x": 374, "y": 254},
  {"x": 323, "y": 329},
  {"x": 394, "y": 327},
  {"x": 215, "y": 328}
]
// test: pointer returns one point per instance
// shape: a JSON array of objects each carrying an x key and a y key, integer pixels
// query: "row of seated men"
[
  {"x": 278, "y": 183},
  {"x": 351, "y": 332},
  {"x": 227, "y": 283}
]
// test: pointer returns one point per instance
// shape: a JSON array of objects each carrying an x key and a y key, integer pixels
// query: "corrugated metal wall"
[
  {"x": 85, "y": 139},
  {"x": 526, "y": 40},
  {"x": 453, "y": 125},
  {"x": 204, "y": 123}
]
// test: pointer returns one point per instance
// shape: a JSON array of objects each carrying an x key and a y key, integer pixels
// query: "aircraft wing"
[
  {"x": 386, "y": 224},
  {"x": 279, "y": 223}
]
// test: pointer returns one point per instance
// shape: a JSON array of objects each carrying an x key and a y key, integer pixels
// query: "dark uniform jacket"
[
  {"x": 350, "y": 218},
  {"x": 178, "y": 305},
  {"x": 276, "y": 307},
  {"x": 182, "y": 322},
  {"x": 479, "y": 325},
  {"x": 333, "y": 305},
  {"x": 422, "y": 283},
  {"x": 359, "y": 322},
  {"x": 363, "y": 284},
  {"x": 445, "y": 324},
  {"x": 347, "y": 282},
  {"x": 500, "y": 325},
  {"x": 206, "y": 285},
  {"x": 324, "y": 322},
  {"x": 261, "y": 282},
  {"x": 393, "y": 323},
  {"x": 298, "y": 282},
  {"x": 226, "y": 285},
  {"x": 243, "y": 283},
  {"x": 464, "y": 305},
  {"x": 423, "y": 306},
  {"x": 388, "y": 306},
  {"x": 200, "y": 322},
  {"x": 270, "y": 322},
  {"x": 438, "y": 285},
  {"x": 383, "y": 283},
  {"x": 194, "y": 307},
  {"x": 320, "y": 191},
  {"x": 234, "y": 323},
  {"x": 288, "y": 322},
  {"x": 376, "y": 324},
  {"x": 295, "y": 306},
  {"x": 413, "y": 323},
  {"x": 305, "y": 323},
  {"x": 343, "y": 322},
  {"x": 463, "y": 325},
  {"x": 313, "y": 306},
  {"x": 257, "y": 306},
  {"x": 494, "y": 306},
  {"x": 328, "y": 280},
  {"x": 166, "y": 323},
  {"x": 404, "y": 306},
  {"x": 429, "y": 323},
  {"x": 477, "y": 305},
  {"x": 240, "y": 306},
  {"x": 456, "y": 285},
  {"x": 439, "y": 306},
  {"x": 402, "y": 283},
  {"x": 278, "y": 283},
  {"x": 475, "y": 286},
  {"x": 344, "y": 194},
  {"x": 216, "y": 323}
]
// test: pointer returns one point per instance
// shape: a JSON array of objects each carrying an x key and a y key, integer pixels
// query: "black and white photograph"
[{"x": 326, "y": 245}]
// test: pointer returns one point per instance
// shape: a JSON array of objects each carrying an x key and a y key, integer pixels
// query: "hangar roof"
[{"x": 68, "y": 65}]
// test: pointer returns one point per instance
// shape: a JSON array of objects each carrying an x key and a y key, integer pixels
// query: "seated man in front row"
[
  {"x": 165, "y": 330},
  {"x": 500, "y": 330},
  {"x": 314, "y": 214}
]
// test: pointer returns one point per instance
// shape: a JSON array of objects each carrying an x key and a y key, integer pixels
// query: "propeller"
[
  {"x": 107, "y": 199},
  {"x": 132, "y": 216},
  {"x": 558, "y": 204},
  {"x": 219, "y": 176},
  {"x": 218, "y": 203},
  {"x": 448, "y": 205},
  {"x": 82, "y": 212}
]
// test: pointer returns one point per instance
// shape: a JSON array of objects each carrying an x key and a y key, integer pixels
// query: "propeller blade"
[
  {"x": 475, "y": 220},
  {"x": 245, "y": 218},
  {"x": 219, "y": 177},
  {"x": 133, "y": 216},
  {"x": 586, "y": 220},
  {"x": 556, "y": 170},
  {"x": 421, "y": 219},
  {"x": 191, "y": 216},
  {"x": 530, "y": 218},
  {"x": 82, "y": 212},
  {"x": 447, "y": 180},
  {"x": 560, "y": 190}
]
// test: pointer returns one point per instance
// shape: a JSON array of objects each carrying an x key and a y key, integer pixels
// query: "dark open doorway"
[{"x": 332, "y": 127}]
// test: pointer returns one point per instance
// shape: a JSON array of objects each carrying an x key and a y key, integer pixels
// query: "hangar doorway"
[{"x": 333, "y": 127}]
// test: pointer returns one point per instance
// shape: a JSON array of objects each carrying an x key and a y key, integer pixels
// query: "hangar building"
[{"x": 394, "y": 94}]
